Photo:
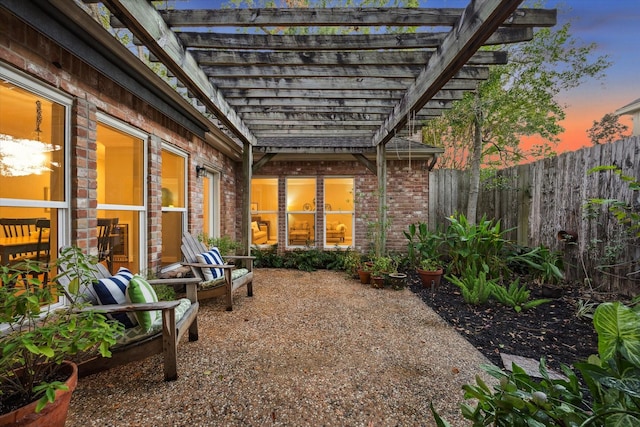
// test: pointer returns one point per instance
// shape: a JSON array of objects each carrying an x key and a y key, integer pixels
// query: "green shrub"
[
  {"x": 225, "y": 244},
  {"x": 267, "y": 257},
  {"x": 516, "y": 296},
  {"x": 474, "y": 285},
  {"x": 545, "y": 265},
  {"x": 613, "y": 379},
  {"x": 478, "y": 246},
  {"x": 422, "y": 244}
]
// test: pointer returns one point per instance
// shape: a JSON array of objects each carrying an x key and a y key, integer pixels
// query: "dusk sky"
[{"x": 614, "y": 25}]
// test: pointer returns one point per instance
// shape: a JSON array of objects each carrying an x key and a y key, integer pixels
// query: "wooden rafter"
[
  {"x": 333, "y": 17},
  {"x": 477, "y": 23},
  {"x": 342, "y": 42},
  {"x": 145, "y": 22},
  {"x": 267, "y": 83}
]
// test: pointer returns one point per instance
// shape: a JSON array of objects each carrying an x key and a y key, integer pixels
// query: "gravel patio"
[{"x": 309, "y": 349}]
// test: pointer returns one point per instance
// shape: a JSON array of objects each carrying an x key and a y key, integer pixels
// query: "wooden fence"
[{"x": 541, "y": 199}]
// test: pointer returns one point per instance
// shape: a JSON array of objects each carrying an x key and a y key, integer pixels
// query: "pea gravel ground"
[{"x": 309, "y": 349}]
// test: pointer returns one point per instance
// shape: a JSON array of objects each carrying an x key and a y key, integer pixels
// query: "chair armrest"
[
  {"x": 141, "y": 306},
  {"x": 239, "y": 257},
  {"x": 191, "y": 285},
  {"x": 176, "y": 281},
  {"x": 202, "y": 265}
]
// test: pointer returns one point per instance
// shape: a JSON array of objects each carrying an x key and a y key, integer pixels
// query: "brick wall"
[
  {"x": 92, "y": 92},
  {"x": 407, "y": 195}
]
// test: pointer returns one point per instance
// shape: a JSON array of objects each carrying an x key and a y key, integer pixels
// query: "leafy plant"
[
  {"x": 477, "y": 246},
  {"x": 225, "y": 244},
  {"x": 382, "y": 264},
  {"x": 267, "y": 257},
  {"x": 545, "y": 265},
  {"x": 519, "y": 400},
  {"x": 474, "y": 285},
  {"x": 585, "y": 309},
  {"x": 422, "y": 244},
  {"x": 612, "y": 377},
  {"x": 430, "y": 264},
  {"x": 39, "y": 337},
  {"x": 516, "y": 296}
]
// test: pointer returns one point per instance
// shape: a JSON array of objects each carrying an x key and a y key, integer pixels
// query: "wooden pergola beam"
[
  {"x": 335, "y": 42},
  {"x": 147, "y": 24},
  {"x": 477, "y": 24},
  {"x": 334, "y": 17},
  {"x": 273, "y": 87},
  {"x": 357, "y": 58}
]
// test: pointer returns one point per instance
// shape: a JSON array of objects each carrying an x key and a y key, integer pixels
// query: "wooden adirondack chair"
[
  {"x": 234, "y": 276},
  {"x": 164, "y": 341}
]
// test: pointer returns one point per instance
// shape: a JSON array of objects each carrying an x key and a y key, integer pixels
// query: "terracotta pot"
[
  {"x": 430, "y": 279},
  {"x": 377, "y": 282},
  {"x": 53, "y": 414},
  {"x": 365, "y": 276}
]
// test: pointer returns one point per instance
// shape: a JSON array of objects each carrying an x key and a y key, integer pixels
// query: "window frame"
[
  {"x": 102, "y": 118},
  {"x": 62, "y": 208}
]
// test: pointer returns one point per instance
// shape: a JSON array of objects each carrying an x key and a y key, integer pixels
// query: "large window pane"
[
  {"x": 264, "y": 211},
  {"x": 301, "y": 211},
  {"x": 173, "y": 205},
  {"x": 338, "y": 211},
  {"x": 31, "y": 145},
  {"x": 33, "y": 205},
  {"x": 120, "y": 167}
]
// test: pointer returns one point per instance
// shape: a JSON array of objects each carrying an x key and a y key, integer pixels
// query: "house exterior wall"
[
  {"x": 407, "y": 196},
  {"x": 26, "y": 50}
]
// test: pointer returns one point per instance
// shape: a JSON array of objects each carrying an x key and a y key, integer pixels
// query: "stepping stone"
[{"x": 529, "y": 365}]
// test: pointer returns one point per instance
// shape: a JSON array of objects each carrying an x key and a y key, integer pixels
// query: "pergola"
[{"x": 274, "y": 91}]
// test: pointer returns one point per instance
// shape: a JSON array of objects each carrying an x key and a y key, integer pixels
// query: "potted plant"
[
  {"x": 382, "y": 265},
  {"x": 430, "y": 271},
  {"x": 351, "y": 262},
  {"x": 40, "y": 341}
]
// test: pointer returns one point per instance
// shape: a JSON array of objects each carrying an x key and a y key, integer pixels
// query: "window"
[
  {"x": 264, "y": 211},
  {"x": 301, "y": 211},
  {"x": 121, "y": 190},
  {"x": 33, "y": 168},
  {"x": 211, "y": 204},
  {"x": 174, "y": 204},
  {"x": 338, "y": 211}
]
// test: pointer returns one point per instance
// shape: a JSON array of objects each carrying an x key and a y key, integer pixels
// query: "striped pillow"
[
  {"x": 112, "y": 290},
  {"x": 139, "y": 290},
  {"x": 211, "y": 257}
]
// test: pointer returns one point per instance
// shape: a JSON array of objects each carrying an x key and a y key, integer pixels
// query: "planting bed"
[{"x": 551, "y": 330}]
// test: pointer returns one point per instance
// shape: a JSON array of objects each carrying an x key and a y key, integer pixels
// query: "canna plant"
[{"x": 477, "y": 245}]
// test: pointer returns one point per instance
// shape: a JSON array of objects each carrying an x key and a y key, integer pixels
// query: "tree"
[
  {"x": 518, "y": 100},
  {"x": 607, "y": 129}
]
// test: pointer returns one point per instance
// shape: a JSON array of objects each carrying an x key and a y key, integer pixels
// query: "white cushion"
[
  {"x": 254, "y": 226},
  {"x": 112, "y": 290},
  {"x": 212, "y": 257}
]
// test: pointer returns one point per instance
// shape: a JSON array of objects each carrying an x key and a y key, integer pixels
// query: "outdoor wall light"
[{"x": 200, "y": 171}]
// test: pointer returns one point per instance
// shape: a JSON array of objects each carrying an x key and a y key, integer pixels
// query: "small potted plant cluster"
[
  {"x": 430, "y": 271},
  {"x": 423, "y": 251},
  {"x": 380, "y": 270},
  {"x": 38, "y": 342}
]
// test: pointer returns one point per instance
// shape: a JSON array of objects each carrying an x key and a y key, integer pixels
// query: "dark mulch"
[{"x": 550, "y": 330}]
